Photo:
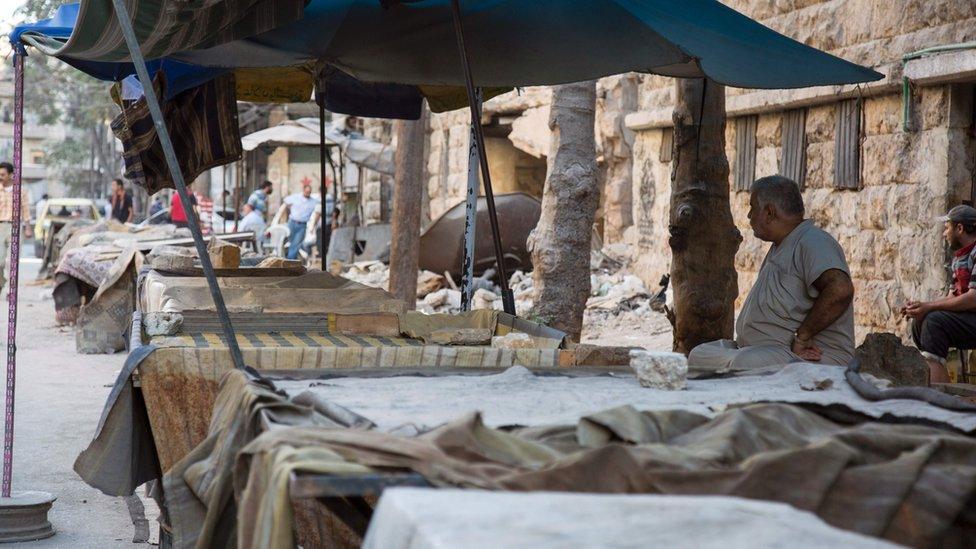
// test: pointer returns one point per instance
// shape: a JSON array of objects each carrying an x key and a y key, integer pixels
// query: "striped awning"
[{"x": 164, "y": 27}]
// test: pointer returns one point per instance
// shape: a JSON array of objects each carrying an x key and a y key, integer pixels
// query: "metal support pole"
[
  {"x": 470, "y": 217},
  {"x": 8, "y": 417},
  {"x": 508, "y": 300},
  {"x": 223, "y": 198},
  {"x": 322, "y": 187},
  {"x": 239, "y": 189},
  {"x": 122, "y": 14}
]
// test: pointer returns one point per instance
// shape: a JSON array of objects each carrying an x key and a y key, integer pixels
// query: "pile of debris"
[{"x": 620, "y": 302}]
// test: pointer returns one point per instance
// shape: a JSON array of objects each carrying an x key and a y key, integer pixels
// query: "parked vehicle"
[{"x": 59, "y": 211}]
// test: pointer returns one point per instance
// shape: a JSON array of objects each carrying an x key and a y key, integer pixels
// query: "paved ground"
[{"x": 59, "y": 400}]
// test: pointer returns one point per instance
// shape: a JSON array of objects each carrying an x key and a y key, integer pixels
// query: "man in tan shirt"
[
  {"x": 800, "y": 308},
  {"x": 7, "y": 215}
]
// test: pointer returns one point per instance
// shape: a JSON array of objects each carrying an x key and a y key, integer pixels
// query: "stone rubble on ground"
[
  {"x": 660, "y": 369},
  {"x": 619, "y": 301},
  {"x": 513, "y": 340}
]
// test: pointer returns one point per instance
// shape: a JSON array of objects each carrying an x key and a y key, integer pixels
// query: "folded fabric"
[{"x": 202, "y": 123}]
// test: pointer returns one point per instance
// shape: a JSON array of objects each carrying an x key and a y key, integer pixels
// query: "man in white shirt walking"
[{"x": 300, "y": 209}]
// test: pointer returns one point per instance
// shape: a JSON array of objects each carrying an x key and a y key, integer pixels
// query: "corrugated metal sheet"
[
  {"x": 847, "y": 145},
  {"x": 745, "y": 152},
  {"x": 666, "y": 153},
  {"x": 794, "y": 163}
]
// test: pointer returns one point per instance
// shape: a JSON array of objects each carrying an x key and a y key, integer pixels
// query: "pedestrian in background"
[
  {"x": 177, "y": 213},
  {"x": 7, "y": 216},
  {"x": 259, "y": 198},
  {"x": 300, "y": 209},
  {"x": 122, "y": 210}
]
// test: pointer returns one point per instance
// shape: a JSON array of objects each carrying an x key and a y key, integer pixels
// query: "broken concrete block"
[
  {"x": 428, "y": 282},
  {"x": 484, "y": 299},
  {"x": 281, "y": 263},
  {"x": 460, "y": 336},
  {"x": 444, "y": 299},
  {"x": 514, "y": 340},
  {"x": 224, "y": 255},
  {"x": 601, "y": 355},
  {"x": 162, "y": 324},
  {"x": 884, "y": 356},
  {"x": 660, "y": 369},
  {"x": 172, "y": 258}
]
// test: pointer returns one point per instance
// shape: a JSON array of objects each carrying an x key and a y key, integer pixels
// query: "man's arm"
[
  {"x": 836, "y": 295},
  {"x": 132, "y": 211},
  {"x": 955, "y": 303}
]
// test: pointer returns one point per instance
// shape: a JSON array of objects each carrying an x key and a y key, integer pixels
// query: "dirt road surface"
[{"x": 59, "y": 399}]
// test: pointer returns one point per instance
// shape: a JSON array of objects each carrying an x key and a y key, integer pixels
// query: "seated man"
[
  {"x": 800, "y": 308},
  {"x": 950, "y": 321}
]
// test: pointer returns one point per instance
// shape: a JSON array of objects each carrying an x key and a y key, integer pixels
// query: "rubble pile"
[{"x": 620, "y": 302}]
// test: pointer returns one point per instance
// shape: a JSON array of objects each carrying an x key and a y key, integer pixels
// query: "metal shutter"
[
  {"x": 847, "y": 145},
  {"x": 745, "y": 152},
  {"x": 666, "y": 154},
  {"x": 794, "y": 159}
]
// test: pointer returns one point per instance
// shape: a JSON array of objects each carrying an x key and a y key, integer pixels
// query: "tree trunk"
[
  {"x": 407, "y": 208},
  {"x": 703, "y": 236},
  {"x": 560, "y": 243}
]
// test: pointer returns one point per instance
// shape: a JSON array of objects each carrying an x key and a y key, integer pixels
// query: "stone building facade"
[
  {"x": 875, "y": 185},
  {"x": 884, "y": 216}
]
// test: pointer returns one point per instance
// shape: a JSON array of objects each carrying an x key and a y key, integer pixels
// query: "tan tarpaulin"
[
  {"x": 910, "y": 484},
  {"x": 313, "y": 292},
  {"x": 103, "y": 321}
]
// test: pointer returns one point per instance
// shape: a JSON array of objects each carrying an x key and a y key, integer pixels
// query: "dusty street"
[{"x": 59, "y": 400}]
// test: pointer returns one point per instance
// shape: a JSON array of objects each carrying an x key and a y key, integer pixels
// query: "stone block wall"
[{"x": 887, "y": 227}]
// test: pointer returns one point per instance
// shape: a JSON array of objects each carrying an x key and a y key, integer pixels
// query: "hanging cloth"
[{"x": 202, "y": 123}]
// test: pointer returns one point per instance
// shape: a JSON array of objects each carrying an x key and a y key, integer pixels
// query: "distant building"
[{"x": 36, "y": 176}]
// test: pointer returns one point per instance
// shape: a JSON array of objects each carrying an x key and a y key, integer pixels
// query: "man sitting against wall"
[
  {"x": 950, "y": 321},
  {"x": 800, "y": 308}
]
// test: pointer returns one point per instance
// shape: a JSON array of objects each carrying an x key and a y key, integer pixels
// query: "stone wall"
[
  {"x": 448, "y": 136},
  {"x": 886, "y": 227}
]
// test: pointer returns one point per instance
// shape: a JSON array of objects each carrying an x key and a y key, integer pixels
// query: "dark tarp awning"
[{"x": 510, "y": 42}]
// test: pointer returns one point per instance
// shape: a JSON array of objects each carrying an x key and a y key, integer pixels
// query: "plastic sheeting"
[
  {"x": 423, "y": 518},
  {"x": 313, "y": 292}
]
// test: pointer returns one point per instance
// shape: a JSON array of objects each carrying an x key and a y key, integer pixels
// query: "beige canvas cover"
[
  {"x": 312, "y": 292},
  {"x": 872, "y": 478},
  {"x": 104, "y": 320}
]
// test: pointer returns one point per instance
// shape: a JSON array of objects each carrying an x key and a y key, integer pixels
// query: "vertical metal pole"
[
  {"x": 223, "y": 198},
  {"x": 323, "y": 190},
  {"x": 122, "y": 14},
  {"x": 470, "y": 217},
  {"x": 508, "y": 300},
  {"x": 239, "y": 184},
  {"x": 8, "y": 417}
]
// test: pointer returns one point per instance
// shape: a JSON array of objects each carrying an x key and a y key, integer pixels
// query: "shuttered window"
[
  {"x": 666, "y": 154},
  {"x": 794, "y": 157},
  {"x": 847, "y": 145},
  {"x": 745, "y": 152}
]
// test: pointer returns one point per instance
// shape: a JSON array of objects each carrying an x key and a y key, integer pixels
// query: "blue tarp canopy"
[
  {"x": 539, "y": 42},
  {"x": 509, "y": 42},
  {"x": 402, "y": 45}
]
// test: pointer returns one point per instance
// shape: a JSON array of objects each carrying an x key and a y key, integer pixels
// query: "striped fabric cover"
[
  {"x": 202, "y": 123},
  {"x": 164, "y": 27}
]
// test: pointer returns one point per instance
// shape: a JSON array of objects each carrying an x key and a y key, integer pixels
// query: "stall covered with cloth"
[{"x": 859, "y": 472}]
